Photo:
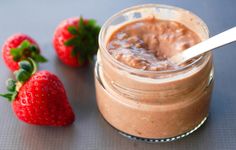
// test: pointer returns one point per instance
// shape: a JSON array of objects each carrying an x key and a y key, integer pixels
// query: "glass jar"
[{"x": 155, "y": 106}]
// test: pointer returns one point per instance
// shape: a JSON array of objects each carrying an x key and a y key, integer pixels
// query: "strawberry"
[
  {"x": 20, "y": 47},
  {"x": 38, "y": 98},
  {"x": 76, "y": 41}
]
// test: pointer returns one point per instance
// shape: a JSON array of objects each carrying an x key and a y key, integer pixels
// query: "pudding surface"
[{"x": 148, "y": 43}]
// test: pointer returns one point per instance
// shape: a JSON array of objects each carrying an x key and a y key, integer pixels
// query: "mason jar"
[{"x": 154, "y": 106}]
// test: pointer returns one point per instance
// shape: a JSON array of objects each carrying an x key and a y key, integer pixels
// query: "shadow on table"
[{"x": 79, "y": 85}]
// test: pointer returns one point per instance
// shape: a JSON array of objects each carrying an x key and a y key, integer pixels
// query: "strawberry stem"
[{"x": 34, "y": 66}]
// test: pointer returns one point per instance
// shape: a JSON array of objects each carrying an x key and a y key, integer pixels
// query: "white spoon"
[{"x": 218, "y": 40}]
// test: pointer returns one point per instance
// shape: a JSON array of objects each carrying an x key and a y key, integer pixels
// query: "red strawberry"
[
  {"x": 20, "y": 47},
  {"x": 39, "y": 98},
  {"x": 76, "y": 41}
]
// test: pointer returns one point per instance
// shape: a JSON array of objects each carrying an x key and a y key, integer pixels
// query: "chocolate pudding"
[
  {"x": 139, "y": 92},
  {"x": 147, "y": 44}
]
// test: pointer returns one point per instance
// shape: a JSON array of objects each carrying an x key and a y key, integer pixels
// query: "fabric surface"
[{"x": 90, "y": 131}]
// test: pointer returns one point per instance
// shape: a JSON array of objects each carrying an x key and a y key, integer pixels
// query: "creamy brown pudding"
[
  {"x": 146, "y": 44},
  {"x": 139, "y": 92}
]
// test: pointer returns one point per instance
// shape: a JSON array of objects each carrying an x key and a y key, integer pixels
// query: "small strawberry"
[
  {"x": 76, "y": 41},
  {"x": 20, "y": 47},
  {"x": 38, "y": 98}
]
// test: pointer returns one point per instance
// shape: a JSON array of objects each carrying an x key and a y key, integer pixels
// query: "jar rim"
[{"x": 102, "y": 44}]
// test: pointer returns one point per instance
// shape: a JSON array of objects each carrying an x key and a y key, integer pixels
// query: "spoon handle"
[{"x": 218, "y": 40}]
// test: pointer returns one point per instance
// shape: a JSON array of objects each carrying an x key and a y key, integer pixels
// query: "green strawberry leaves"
[
  {"x": 25, "y": 65},
  {"x": 22, "y": 75},
  {"x": 18, "y": 52},
  {"x": 27, "y": 68},
  {"x": 8, "y": 96},
  {"x": 27, "y": 50},
  {"x": 11, "y": 85},
  {"x": 39, "y": 58},
  {"x": 73, "y": 30},
  {"x": 84, "y": 40}
]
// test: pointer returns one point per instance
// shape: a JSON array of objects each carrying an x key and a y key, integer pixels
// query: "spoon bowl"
[{"x": 218, "y": 40}]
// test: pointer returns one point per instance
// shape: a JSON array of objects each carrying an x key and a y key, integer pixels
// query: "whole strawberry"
[
  {"x": 20, "y": 47},
  {"x": 76, "y": 41},
  {"x": 39, "y": 98}
]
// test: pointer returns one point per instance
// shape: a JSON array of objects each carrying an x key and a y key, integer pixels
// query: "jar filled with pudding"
[{"x": 139, "y": 91}]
